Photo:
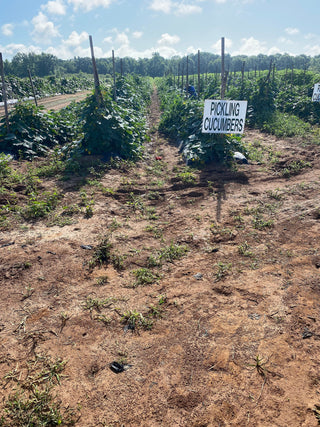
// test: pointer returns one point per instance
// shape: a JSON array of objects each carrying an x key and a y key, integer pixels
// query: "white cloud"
[
  {"x": 12, "y": 49},
  {"x": 108, "y": 40},
  {"x": 166, "y": 39},
  {"x": 55, "y": 7},
  {"x": 292, "y": 31},
  {"x": 186, "y": 9},
  {"x": 312, "y": 50},
  {"x": 122, "y": 39},
  {"x": 7, "y": 29},
  {"x": 164, "y": 6},
  {"x": 88, "y": 5},
  {"x": 177, "y": 7},
  {"x": 76, "y": 39},
  {"x": 252, "y": 46},
  {"x": 137, "y": 34},
  {"x": 44, "y": 30}
]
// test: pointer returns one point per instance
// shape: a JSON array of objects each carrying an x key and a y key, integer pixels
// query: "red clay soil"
[{"x": 227, "y": 332}]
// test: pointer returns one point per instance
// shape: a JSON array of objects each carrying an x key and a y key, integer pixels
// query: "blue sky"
[{"x": 137, "y": 28}]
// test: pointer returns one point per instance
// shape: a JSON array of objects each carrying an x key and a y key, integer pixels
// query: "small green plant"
[
  {"x": 98, "y": 303},
  {"x": 33, "y": 402},
  {"x": 260, "y": 365},
  {"x": 294, "y": 168},
  {"x": 260, "y": 223},
  {"x": 187, "y": 177},
  {"x": 144, "y": 277},
  {"x": 244, "y": 249},
  {"x": 222, "y": 270},
  {"x": 102, "y": 280},
  {"x": 102, "y": 253},
  {"x": 167, "y": 254},
  {"x": 103, "y": 319},
  {"x": 157, "y": 232},
  {"x": 316, "y": 411},
  {"x": 114, "y": 225},
  {"x": 133, "y": 320},
  {"x": 117, "y": 261}
]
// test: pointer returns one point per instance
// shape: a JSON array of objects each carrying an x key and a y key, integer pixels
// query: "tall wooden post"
[
  {"x": 95, "y": 73},
  {"x": 114, "y": 77},
  {"x": 187, "y": 76},
  {"x": 223, "y": 77},
  {"x": 32, "y": 87},
  {"x": 4, "y": 92},
  {"x": 198, "y": 72}
]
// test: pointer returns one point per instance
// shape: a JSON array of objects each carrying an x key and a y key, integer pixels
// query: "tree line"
[{"x": 44, "y": 64}]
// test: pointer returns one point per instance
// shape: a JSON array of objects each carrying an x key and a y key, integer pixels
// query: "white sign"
[
  {"x": 316, "y": 93},
  {"x": 224, "y": 116}
]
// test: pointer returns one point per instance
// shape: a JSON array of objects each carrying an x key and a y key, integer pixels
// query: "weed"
[
  {"x": 114, "y": 225},
  {"x": 154, "y": 195},
  {"x": 28, "y": 293},
  {"x": 136, "y": 203},
  {"x": 102, "y": 253},
  {"x": 134, "y": 320},
  {"x": 144, "y": 277},
  {"x": 117, "y": 261},
  {"x": 260, "y": 223},
  {"x": 294, "y": 168},
  {"x": 222, "y": 270},
  {"x": 33, "y": 403},
  {"x": 64, "y": 318},
  {"x": 167, "y": 254},
  {"x": 102, "y": 280},
  {"x": 98, "y": 303},
  {"x": 102, "y": 318},
  {"x": 316, "y": 411},
  {"x": 275, "y": 194},
  {"x": 187, "y": 177},
  {"x": 244, "y": 249},
  {"x": 259, "y": 365},
  {"x": 157, "y": 232},
  {"x": 41, "y": 207},
  {"x": 151, "y": 214}
]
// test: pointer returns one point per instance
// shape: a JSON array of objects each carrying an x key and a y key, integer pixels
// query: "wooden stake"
[
  {"x": 198, "y": 72},
  {"x": 114, "y": 77},
  {"x": 4, "y": 92},
  {"x": 95, "y": 72},
  {"x": 32, "y": 87},
  {"x": 224, "y": 75}
]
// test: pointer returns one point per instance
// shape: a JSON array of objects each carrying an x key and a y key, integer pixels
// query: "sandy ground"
[{"x": 227, "y": 332}]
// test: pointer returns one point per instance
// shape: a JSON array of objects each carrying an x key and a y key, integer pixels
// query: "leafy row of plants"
[
  {"x": 20, "y": 88},
  {"x": 181, "y": 121},
  {"x": 268, "y": 95},
  {"x": 98, "y": 125}
]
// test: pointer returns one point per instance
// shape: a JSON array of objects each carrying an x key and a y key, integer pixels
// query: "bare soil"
[
  {"x": 235, "y": 333},
  {"x": 54, "y": 102}
]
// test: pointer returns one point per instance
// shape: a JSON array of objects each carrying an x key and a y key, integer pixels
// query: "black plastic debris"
[
  {"x": 88, "y": 247},
  {"x": 306, "y": 333},
  {"x": 116, "y": 367}
]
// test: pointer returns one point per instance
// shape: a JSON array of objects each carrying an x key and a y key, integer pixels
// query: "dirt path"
[{"x": 219, "y": 270}]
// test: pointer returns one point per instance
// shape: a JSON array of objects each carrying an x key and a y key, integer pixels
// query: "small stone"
[
  {"x": 198, "y": 276},
  {"x": 254, "y": 316}
]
